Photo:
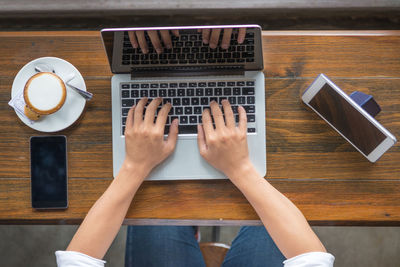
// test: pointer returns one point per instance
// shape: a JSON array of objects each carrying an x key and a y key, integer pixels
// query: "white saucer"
[{"x": 74, "y": 103}]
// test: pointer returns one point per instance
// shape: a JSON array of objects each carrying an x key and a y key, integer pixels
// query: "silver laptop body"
[{"x": 238, "y": 72}]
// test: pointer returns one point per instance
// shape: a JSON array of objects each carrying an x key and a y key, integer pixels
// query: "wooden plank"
[{"x": 322, "y": 202}]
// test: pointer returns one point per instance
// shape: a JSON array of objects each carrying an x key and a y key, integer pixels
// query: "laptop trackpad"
[{"x": 185, "y": 163}]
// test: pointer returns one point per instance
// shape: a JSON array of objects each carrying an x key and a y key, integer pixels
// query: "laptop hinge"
[{"x": 179, "y": 71}]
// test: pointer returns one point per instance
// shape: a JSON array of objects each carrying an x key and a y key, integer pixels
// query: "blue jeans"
[{"x": 177, "y": 246}]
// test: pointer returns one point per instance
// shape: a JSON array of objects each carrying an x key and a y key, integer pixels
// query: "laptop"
[{"x": 189, "y": 76}]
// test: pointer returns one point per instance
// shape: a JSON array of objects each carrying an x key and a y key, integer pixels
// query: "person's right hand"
[
  {"x": 138, "y": 39},
  {"x": 224, "y": 147}
]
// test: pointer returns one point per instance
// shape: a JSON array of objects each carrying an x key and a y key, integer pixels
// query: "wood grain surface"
[{"x": 308, "y": 161}]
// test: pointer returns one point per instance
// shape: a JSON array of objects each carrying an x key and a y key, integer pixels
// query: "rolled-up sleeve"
[
  {"x": 77, "y": 259},
  {"x": 311, "y": 259}
]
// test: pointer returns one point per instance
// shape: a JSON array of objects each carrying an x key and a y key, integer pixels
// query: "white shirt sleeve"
[
  {"x": 77, "y": 259},
  {"x": 311, "y": 259}
]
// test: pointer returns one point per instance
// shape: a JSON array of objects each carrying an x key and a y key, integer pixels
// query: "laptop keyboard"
[
  {"x": 189, "y": 48},
  {"x": 190, "y": 98}
]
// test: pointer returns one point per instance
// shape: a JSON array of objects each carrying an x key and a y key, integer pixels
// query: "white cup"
[{"x": 44, "y": 94}]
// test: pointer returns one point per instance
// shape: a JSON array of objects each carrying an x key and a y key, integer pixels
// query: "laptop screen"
[{"x": 184, "y": 49}]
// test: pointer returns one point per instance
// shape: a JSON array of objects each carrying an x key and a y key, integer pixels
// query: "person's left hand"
[{"x": 144, "y": 138}]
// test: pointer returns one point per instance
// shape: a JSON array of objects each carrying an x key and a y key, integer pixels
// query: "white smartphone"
[{"x": 351, "y": 121}]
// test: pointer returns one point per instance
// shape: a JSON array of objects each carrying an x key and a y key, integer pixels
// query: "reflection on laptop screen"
[{"x": 184, "y": 48}]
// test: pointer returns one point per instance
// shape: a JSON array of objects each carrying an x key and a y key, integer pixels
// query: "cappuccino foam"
[{"x": 45, "y": 92}]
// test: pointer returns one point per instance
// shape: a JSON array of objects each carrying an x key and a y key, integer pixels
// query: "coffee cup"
[{"x": 44, "y": 94}]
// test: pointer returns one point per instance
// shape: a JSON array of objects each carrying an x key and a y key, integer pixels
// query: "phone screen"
[
  {"x": 347, "y": 119},
  {"x": 49, "y": 172}
]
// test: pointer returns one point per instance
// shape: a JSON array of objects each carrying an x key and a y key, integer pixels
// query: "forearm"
[
  {"x": 104, "y": 219},
  {"x": 283, "y": 220}
]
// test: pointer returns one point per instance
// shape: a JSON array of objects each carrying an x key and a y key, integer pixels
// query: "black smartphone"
[{"x": 49, "y": 182}]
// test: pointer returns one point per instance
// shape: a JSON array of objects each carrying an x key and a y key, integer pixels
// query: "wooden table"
[{"x": 310, "y": 163}]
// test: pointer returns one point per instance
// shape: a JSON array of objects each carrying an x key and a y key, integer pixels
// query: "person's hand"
[
  {"x": 224, "y": 147},
  {"x": 211, "y": 37},
  {"x": 138, "y": 39},
  {"x": 144, "y": 138}
]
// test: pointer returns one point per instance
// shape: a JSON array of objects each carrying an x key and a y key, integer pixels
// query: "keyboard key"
[
  {"x": 125, "y": 86},
  {"x": 204, "y": 101},
  {"x": 162, "y": 93},
  {"x": 123, "y": 120},
  {"x": 251, "y": 130},
  {"x": 164, "y": 85},
  {"x": 199, "y": 92},
  {"x": 154, "y": 85},
  {"x": 193, "y": 119},
  {"x": 248, "y": 90},
  {"x": 211, "y": 84},
  {"x": 176, "y": 102},
  {"x": 171, "y": 92},
  {"x": 127, "y": 102},
  {"x": 125, "y": 93},
  {"x": 192, "y": 84},
  {"x": 125, "y": 111},
  {"x": 144, "y": 85},
  {"x": 250, "y": 109},
  {"x": 178, "y": 110},
  {"x": 202, "y": 84},
  {"x": 123, "y": 130},
  {"x": 188, "y": 110},
  {"x": 183, "y": 119},
  {"x": 251, "y": 100},
  {"x": 190, "y": 92},
  {"x": 166, "y": 100},
  {"x": 217, "y": 91},
  {"x": 234, "y": 109},
  {"x": 232, "y": 100},
  {"x": 208, "y": 91},
  {"x": 227, "y": 91},
  {"x": 241, "y": 100},
  {"x": 188, "y": 129},
  {"x": 186, "y": 101},
  {"x": 221, "y": 98},
  {"x": 173, "y": 85},
  {"x": 221, "y": 84},
  {"x": 183, "y": 85},
  {"x": 181, "y": 92},
  {"x": 144, "y": 93},
  {"x": 195, "y": 101},
  {"x": 213, "y": 99},
  {"x": 197, "y": 110},
  {"x": 240, "y": 83},
  {"x": 236, "y": 90},
  {"x": 250, "y": 83},
  {"x": 134, "y": 85},
  {"x": 251, "y": 118},
  {"x": 153, "y": 93}
]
